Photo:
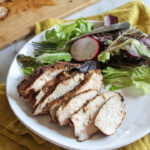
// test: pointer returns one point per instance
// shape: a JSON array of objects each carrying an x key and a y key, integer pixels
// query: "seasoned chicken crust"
[{"x": 41, "y": 76}]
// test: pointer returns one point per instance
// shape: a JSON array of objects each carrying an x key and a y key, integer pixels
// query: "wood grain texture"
[{"x": 25, "y": 13}]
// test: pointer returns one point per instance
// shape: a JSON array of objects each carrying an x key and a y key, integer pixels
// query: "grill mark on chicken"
[
  {"x": 93, "y": 76},
  {"x": 31, "y": 98},
  {"x": 64, "y": 112},
  {"x": 109, "y": 94},
  {"x": 83, "y": 120},
  {"x": 35, "y": 98},
  {"x": 59, "y": 90},
  {"x": 42, "y": 75}
]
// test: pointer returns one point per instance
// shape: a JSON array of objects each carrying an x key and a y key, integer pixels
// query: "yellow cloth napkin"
[
  {"x": 14, "y": 136},
  {"x": 134, "y": 12}
]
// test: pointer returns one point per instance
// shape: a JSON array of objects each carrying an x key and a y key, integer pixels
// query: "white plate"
[{"x": 135, "y": 125}]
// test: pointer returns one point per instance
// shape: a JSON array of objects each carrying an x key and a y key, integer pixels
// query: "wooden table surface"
[{"x": 25, "y": 13}]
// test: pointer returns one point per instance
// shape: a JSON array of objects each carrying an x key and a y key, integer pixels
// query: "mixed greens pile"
[
  {"x": 55, "y": 48},
  {"x": 124, "y": 55},
  {"x": 129, "y": 38},
  {"x": 125, "y": 76},
  {"x": 61, "y": 34}
]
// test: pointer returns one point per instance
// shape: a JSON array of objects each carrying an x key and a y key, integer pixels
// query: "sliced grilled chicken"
[
  {"x": 35, "y": 98},
  {"x": 60, "y": 89},
  {"x": 65, "y": 111},
  {"x": 83, "y": 120},
  {"x": 111, "y": 115},
  {"x": 41, "y": 76},
  {"x": 93, "y": 80}
]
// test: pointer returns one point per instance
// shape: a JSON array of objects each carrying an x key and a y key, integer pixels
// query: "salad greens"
[
  {"x": 54, "y": 57},
  {"x": 141, "y": 48},
  {"x": 58, "y": 37},
  {"x": 30, "y": 63},
  {"x": 61, "y": 34},
  {"x": 28, "y": 70},
  {"x": 126, "y": 76},
  {"x": 128, "y": 38}
]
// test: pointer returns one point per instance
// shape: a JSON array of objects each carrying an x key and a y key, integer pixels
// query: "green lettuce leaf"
[
  {"x": 28, "y": 70},
  {"x": 54, "y": 57},
  {"x": 141, "y": 48},
  {"x": 28, "y": 61},
  {"x": 61, "y": 34},
  {"x": 104, "y": 56},
  {"x": 120, "y": 78},
  {"x": 141, "y": 78}
]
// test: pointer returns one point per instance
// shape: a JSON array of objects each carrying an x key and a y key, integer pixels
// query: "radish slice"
[
  {"x": 131, "y": 50},
  {"x": 86, "y": 48}
]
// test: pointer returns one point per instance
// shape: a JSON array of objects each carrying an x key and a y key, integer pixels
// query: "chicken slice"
[
  {"x": 83, "y": 120},
  {"x": 41, "y": 76},
  {"x": 36, "y": 97},
  {"x": 111, "y": 115},
  {"x": 61, "y": 88},
  {"x": 93, "y": 80},
  {"x": 65, "y": 111}
]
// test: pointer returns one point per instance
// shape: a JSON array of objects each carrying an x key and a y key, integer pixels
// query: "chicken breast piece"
[
  {"x": 60, "y": 89},
  {"x": 111, "y": 115},
  {"x": 41, "y": 76},
  {"x": 36, "y": 97},
  {"x": 84, "y": 120},
  {"x": 93, "y": 80},
  {"x": 65, "y": 111}
]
